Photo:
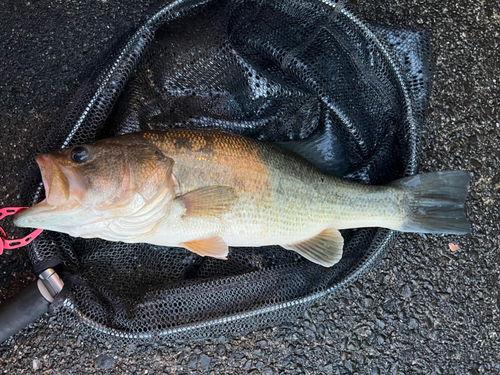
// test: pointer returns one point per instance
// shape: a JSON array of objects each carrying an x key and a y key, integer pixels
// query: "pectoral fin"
[
  {"x": 208, "y": 201},
  {"x": 324, "y": 249},
  {"x": 213, "y": 247}
]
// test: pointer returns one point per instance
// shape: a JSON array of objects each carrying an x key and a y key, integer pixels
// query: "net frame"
[{"x": 93, "y": 104}]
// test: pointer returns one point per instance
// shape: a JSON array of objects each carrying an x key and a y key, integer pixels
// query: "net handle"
[{"x": 16, "y": 243}]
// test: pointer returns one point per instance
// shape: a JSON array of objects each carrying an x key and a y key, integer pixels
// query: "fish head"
[{"x": 89, "y": 183}]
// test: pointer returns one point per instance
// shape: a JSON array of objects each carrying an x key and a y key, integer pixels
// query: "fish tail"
[{"x": 436, "y": 202}]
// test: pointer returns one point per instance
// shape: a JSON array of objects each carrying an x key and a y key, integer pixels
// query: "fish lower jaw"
[{"x": 22, "y": 222}]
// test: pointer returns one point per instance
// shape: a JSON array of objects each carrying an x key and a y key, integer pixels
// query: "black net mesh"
[{"x": 275, "y": 70}]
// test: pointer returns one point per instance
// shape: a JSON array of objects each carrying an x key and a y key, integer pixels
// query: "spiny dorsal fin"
[
  {"x": 208, "y": 201},
  {"x": 214, "y": 247},
  {"x": 324, "y": 249}
]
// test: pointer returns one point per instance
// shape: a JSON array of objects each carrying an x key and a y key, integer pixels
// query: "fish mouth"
[
  {"x": 54, "y": 180},
  {"x": 59, "y": 183}
]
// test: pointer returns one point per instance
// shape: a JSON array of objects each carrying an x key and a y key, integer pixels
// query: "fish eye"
[{"x": 80, "y": 154}]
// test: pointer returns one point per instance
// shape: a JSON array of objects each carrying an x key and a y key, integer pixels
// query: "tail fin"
[{"x": 436, "y": 202}]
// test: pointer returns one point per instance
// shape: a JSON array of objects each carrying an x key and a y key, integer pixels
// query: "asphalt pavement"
[{"x": 424, "y": 310}]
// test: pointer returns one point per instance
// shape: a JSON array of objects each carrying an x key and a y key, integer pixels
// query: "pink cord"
[{"x": 5, "y": 243}]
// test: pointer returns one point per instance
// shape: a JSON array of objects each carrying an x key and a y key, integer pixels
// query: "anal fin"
[
  {"x": 214, "y": 247},
  {"x": 324, "y": 249}
]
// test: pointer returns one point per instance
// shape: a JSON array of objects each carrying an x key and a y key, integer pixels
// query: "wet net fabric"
[{"x": 348, "y": 96}]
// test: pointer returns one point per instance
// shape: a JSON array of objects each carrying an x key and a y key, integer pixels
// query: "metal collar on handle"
[{"x": 50, "y": 284}]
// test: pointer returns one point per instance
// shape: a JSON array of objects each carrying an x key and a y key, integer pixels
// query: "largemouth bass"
[{"x": 207, "y": 190}]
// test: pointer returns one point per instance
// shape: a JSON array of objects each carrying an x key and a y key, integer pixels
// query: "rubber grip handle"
[{"x": 21, "y": 310}]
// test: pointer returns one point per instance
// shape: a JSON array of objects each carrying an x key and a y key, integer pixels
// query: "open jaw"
[
  {"x": 61, "y": 182},
  {"x": 57, "y": 182}
]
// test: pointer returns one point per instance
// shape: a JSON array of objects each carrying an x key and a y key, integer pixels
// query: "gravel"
[
  {"x": 104, "y": 361},
  {"x": 423, "y": 310}
]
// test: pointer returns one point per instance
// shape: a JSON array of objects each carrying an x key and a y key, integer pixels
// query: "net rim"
[{"x": 383, "y": 238}]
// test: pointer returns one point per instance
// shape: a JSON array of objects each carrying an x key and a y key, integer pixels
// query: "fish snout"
[{"x": 43, "y": 161}]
